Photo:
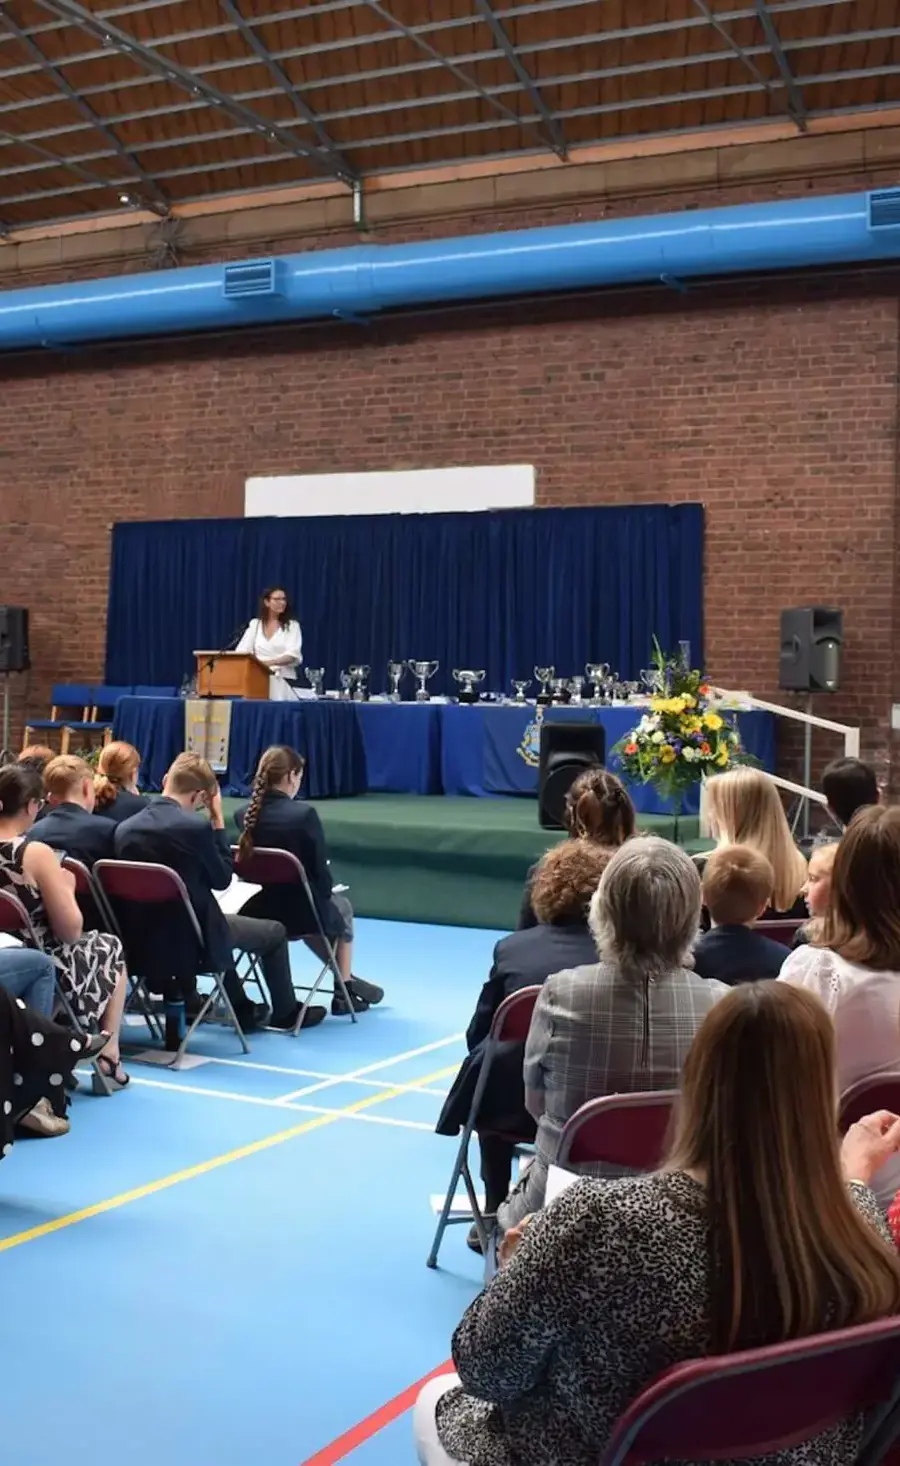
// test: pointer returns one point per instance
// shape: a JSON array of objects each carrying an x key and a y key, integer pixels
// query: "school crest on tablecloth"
[{"x": 530, "y": 747}]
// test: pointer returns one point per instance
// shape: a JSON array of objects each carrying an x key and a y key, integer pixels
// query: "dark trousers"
[
  {"x": 268, "y": 941},
  {"x": 496, "y": 1169}
]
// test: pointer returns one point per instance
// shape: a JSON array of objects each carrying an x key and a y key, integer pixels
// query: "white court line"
[
  {"x": 354, "y": 1074},
  {"x": 319, "y": 1074},
  {"x": 271, "y": 1104}
]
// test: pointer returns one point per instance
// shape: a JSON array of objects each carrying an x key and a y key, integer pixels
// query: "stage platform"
[{"x": 451, "y": 861}]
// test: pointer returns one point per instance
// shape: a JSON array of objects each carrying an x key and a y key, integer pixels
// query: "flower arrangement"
[{"x": 680, "y": 739}]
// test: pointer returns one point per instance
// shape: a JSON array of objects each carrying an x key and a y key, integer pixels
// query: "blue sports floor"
[{"x": 225, "y": 1266}]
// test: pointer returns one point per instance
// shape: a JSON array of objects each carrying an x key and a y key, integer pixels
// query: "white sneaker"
[{"x": 42, "y": 1121}]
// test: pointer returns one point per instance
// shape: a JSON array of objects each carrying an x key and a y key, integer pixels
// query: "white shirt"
[
  {"x": 285, "y": 641},
  {"x": 865, "y": 1007}
]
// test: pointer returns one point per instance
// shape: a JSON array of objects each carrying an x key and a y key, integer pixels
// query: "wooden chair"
[{"x": 69, "y": 713}]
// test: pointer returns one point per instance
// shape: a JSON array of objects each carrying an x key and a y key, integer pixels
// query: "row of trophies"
[{"x": 598, "y": 688}]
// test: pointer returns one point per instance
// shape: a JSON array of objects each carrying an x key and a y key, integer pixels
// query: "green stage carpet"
[{"x": 455, "y": 862}]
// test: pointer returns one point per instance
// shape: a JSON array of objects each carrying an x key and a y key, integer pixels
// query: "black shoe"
[
  {"x": 368, "y": 991},
  {"x": 473, "y": 1240},
  {"x": 286, "y": 1021},
  {"x": 339, "y": 1008},
  {"x": 252, "y": 1017}
]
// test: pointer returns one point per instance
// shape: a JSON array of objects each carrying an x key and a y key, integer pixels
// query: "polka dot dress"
[{"x": 36, "y": 1057}]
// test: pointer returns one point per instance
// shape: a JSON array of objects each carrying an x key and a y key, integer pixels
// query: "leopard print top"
[{"x": 608, "y": 1287}]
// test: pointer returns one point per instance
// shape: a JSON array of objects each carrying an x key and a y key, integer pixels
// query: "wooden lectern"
[{"x": 231, "y": 674}]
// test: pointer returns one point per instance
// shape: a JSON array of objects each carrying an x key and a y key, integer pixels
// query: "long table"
[{"x": 397, "y": 748}]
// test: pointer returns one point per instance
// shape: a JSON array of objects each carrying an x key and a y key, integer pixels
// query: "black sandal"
[{"x": 113, "y": 1073}]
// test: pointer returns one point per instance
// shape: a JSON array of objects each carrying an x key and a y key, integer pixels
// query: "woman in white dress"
[
  {"x": 274, "y": 637},
  {"x": 853, "y": 960}
]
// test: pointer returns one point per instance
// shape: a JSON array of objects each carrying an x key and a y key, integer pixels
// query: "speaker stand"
[
  {"x": 5, "y": 750},
  {"x": 807, "y": 766}
]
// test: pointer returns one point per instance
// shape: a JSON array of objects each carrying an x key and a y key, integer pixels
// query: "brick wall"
[{"x": 774, "y": 403}]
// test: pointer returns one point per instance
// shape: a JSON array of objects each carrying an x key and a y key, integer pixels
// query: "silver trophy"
[
  {"x": 559, "y": 688},
  {"x": 422, "y": 671},
  {"x": 544, "y": 676},
  {"x": 468, "y": 681},
  {"x": 395, "y": 673},
  {"x": 576, "y": 689},
  {"x": 346, "y": 682},
  {"x": 653, "y": 679},
  {"x": 597, "y": 673},
  {"x": 359, "y": 683},
  {"x": 521, "y": 689},
  {"x": 315, "y": 676}
]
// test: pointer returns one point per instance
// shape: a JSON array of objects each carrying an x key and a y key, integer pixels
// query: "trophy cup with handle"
[
  {"x": 315, "y": 676},
  {"x": 359, "y": 683},
  {"x": 422, "y": 671},
  {"x": 521, "y": 689},
  {"x": 597, "y": 673},
  {"x": 468, "y": 681},
  {"x": 346, "y": 682},
  {"x": 545, "y": 676},
  {"x": 395, "y": 674}
]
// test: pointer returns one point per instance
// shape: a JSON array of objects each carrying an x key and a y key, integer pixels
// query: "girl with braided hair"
[
  {"x": 597, "y": 809},
  {"x": 275, "y": 819}
]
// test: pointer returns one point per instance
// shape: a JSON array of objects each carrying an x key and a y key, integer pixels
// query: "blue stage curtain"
[{"x": 502, "y": 590}]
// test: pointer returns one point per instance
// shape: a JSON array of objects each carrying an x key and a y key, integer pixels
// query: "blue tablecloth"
[
  {"x": 402, "y": 748},
  {"x": 327, "y": 733},
  {"x": 495, "y": 750}
]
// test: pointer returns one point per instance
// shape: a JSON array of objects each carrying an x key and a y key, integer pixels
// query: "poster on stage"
[{"x": 207, "y": 729}]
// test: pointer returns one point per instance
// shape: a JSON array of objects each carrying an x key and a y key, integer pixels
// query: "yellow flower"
[
  {"x": 689, "y": 702},
  {"x": 691, "y": 725},
  {"x": 712, "y": 720},
  {"x": 723, "y": 757},
  {"x": 667, "y": 754}
]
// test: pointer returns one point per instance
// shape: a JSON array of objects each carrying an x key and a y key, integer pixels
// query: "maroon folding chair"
[
  {"x": 90, "y": 893},
  {"x": 619, "y": 1130},
  {"x": 783, "y": 931},
  {"x": 512, "y": 1021},
  {"x": 734, "y": 1407},
  {"x": 15, "y": 921},
  {"x": 267, "y": 867},
  {"x": 142, "y": 883},
  {"x": 879, "y": 1092}
]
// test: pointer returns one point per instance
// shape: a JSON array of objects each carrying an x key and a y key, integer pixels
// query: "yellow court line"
[{"x": 204, "y": 1167}]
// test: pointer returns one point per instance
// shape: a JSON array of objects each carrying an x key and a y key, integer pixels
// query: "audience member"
[
  {"x": 853, "y": 962},
  {"x": 90, "y": 965},
  {"x": 68, "y": 825},
  {"x": 627, "y": 1023},
  {"x": 743, "y": 807},
  {"x": 598, "y": 809},
  {"x": 35, "y": 756},
  {"x": 116, "y": 794},
  {"x": 817, "y": 891},
  {"x": 172, "y": 831},
  {"x": 31, "y": 976},
  {"x": 562, "y": 889},
  {"x": 757, "y": 1230},
  {"x": 848, "y": 784},
  {"x": 37, "y": 1057},
  {"x": 276, "y": 819},
  {"x": 737, "y": 889}
]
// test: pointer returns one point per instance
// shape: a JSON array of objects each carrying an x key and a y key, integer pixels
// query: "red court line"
[{"x": 357, "y": 1435}]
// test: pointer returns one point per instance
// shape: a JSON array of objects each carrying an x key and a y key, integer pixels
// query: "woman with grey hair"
[{"x": 626, "y": 1023}]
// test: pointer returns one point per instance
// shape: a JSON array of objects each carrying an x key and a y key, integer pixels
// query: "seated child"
[{"x": 737, "y": 889}]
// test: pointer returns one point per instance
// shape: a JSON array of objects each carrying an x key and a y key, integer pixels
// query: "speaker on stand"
[
  {"x": 812, "y": 638},
  {"x": 14, "y": 655},
  {"x": 567, "y": 749}
]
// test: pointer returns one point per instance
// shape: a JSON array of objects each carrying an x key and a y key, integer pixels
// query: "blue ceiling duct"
[{"x": 358, "y": 282}]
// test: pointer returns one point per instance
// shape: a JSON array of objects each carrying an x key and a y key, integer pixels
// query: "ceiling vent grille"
[
  {"x": 884, "y": 209},
  {"x": 250, "y": 279}
]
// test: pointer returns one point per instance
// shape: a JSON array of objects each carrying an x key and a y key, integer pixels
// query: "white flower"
[
  {"x": 657, "y": 737},
  {"x": 689, "y": 753}
]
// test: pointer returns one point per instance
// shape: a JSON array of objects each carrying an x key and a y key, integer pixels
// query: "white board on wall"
[{"x": 417, "y": 491}]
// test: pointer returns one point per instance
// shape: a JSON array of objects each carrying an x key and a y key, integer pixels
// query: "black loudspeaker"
[
  {"x": 811, "y": 641},
  {"x": 567, "y": 749},
  {"x": 14, "y": 639}
]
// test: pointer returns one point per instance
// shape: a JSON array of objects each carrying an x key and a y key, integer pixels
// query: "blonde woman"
[{"x": 743, "y": 807}]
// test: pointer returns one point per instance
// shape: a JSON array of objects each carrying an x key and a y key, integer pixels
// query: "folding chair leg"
[
  {"x": 330, "y": 965},
  {"x": 460, "y": 1168},
  {"x": 229, "y": 1008}
]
